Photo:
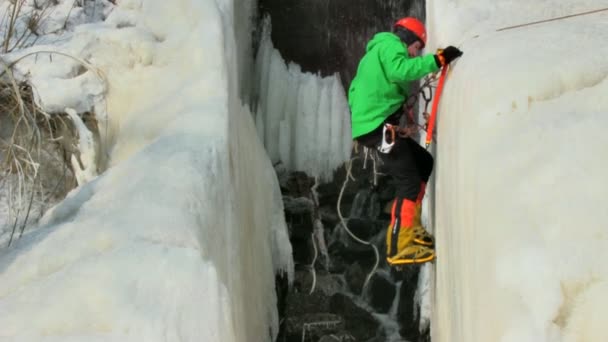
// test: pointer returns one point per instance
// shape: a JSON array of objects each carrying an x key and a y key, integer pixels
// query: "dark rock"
[
  {"x": 298, "y": 215},
  {"x": 296, "y": 184},
  {"x": 329, "y": 216},
  {"x": 330, "y": 338},
  {"x": 345, "y": 248},
  {"x": 328, "y": 193},
  {"x": 355, "y": 278},
  {"x": 407, "y": 312},
  {"x": 365, "y": 205},
  {"x": 337, "y": 264},
  {"x": 338, "y": 337},
  {"x": 377, "y": 339},
  {"x": 297, "y": 205},
  {"x": 311, "y": 327},
  {"x": 359, "y": 323},
  {"x": 327, "y": 283},
  {"x": 364, "y": 228},
  {"x": 282, "y": 290},
  {"x": 381, "y": 292},
  {"x": 300, "y": 303},
  {"x": 302, "y": 250},
  {"x": 300, "y": 227}
]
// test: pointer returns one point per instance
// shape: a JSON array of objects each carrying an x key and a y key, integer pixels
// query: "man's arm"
[{"x": 400, "y": 68}]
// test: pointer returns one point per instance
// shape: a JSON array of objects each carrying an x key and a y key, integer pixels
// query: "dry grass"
[
  {"x": 36, "y": 148},
  {"x": 11, "y": 38},
  {"x": 35, "y": 152}
]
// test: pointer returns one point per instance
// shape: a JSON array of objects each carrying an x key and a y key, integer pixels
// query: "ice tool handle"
[{"x": 431, "y": 124}]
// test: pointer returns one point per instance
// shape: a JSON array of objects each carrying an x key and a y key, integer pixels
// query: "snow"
[
  {"x": 520, "y": 181},
  {"x": 180, "y": 238},
  {"x": 85, "y": 166}
]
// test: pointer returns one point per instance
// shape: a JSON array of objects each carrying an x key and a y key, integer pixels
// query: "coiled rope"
[{"x": 348, "y": 177}]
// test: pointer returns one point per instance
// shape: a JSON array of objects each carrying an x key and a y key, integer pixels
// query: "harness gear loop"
[
  {"x": 389, "y": 133},
  {"x": 425, "y": 91}
]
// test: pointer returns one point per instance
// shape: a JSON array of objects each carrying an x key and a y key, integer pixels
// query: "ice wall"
[
  {"x": 180, "y": 239},
  {"x": 302, "y": 118},
  {"x": 520, "y": 181}
]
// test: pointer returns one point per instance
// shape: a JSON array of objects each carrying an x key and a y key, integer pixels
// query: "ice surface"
[
  {"x": 181, "y": 237},
  {"x": 520, "y": 184}
]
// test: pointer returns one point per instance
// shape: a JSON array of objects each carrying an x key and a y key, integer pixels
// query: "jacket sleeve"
[{"x": 399, "y": 67}]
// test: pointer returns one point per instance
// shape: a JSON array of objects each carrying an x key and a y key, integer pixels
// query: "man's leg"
[
  {"x": 401, "y": 165},
  {"x": 424, "y": 160}
]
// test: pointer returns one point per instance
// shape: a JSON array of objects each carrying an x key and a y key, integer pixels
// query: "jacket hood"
[{"x": 382, "y": 37}]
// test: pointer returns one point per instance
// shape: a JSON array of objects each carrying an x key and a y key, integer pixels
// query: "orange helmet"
[{"x": 414, "y": 25}]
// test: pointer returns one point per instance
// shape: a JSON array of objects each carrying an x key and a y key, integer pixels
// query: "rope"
[
  {"x": 552, "y": 19},
  {"x": 312, "y": 265},
  {"x": 414, "y": 98},
  {"x": 536, "y": 23},
  {"x": 349, "y": 175},
  {"x": 317, "y": 232}
]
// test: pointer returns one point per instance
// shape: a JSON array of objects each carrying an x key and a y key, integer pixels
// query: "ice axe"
[{"x": 431, "y": 124}]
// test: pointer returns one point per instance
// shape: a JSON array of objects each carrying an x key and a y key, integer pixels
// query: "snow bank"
[
  {"x": 520, "y": 181},
  {"x": 181, "y": 237}
]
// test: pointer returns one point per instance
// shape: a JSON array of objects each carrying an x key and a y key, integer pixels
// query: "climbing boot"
[
  {"x": 421, "y": 236},
  {"x": 400, "y": 246}
]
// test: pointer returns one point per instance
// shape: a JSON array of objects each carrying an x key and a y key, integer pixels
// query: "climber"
[{"x": 376, "y": 96}]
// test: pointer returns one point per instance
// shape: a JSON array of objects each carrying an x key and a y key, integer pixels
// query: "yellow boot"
[
  {"x": 400, "y": 246},
  {"x": 421, "y": 235}
]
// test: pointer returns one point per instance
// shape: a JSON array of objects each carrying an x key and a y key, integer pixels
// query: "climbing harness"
[{"x": 390, "y": 132}]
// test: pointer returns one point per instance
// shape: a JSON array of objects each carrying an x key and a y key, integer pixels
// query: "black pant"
[{"x": 408, "y": 163}]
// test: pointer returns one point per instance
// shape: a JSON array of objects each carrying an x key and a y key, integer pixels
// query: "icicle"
[
  {"x": 304, "y": 117},
  {"x": 86, "y": 147}
]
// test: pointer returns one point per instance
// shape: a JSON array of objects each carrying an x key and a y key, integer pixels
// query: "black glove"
[
  {"x": 450, "y": 53},
  {"x": 447, "y": 55}
]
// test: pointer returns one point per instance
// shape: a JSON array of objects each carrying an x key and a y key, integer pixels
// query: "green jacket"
[{"x": 382, "y": 82}]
